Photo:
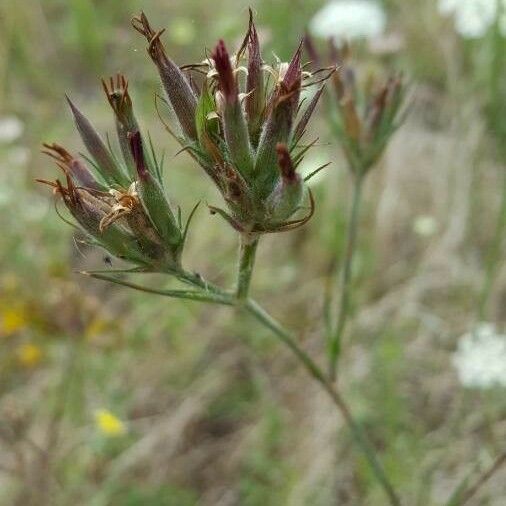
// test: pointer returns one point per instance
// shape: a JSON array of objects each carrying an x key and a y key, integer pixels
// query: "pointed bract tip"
[
  {"x": 294, "y": 71},
  {"x": 72, "y": 106},
  {"x": 252, "y": 30}
]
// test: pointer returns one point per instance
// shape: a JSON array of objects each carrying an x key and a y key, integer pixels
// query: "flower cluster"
[
  {"x": 120, "y": 203},
  {"x": 239, "y": 118},
  {"x": 480, "y": 358},
  {"x": 362, "y": 118}
]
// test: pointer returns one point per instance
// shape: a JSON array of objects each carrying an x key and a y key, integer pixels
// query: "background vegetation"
[{"x": 209, "y": 409}]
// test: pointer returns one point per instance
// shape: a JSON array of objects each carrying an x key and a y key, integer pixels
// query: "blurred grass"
[{"x": 217, "y": 413}]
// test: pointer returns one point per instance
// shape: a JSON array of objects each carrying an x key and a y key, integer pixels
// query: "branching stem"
[{"x": 219, "y": 296}]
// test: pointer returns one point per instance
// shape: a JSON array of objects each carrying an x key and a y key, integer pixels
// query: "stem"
[
  {"x": 195, "y": 279},
  {"x": 315, "y": 371},
  {"x": 215, "y": 297},
  {"x": 494, "y": 255},
  {"x": 247, "y": 252},
  {"x": 345, "y": 287},
  {"x": 215, "y": 294}
]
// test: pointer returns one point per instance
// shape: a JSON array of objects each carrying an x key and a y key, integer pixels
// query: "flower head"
[
  {"x": 245, "y": 133},
  {"x": 11, "y": 128},
  {"x": 239, "y": 124},
  {"x": 480, "y": 358},
  {"x": 29, "y": 355},
  {"x": 109, "y": 424},
  {"x": 12, "y": 320},
  {"x": 119, "y": 203},
  {"x": 363, "y": 118}
]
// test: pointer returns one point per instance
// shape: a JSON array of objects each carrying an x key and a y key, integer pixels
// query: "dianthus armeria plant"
[{"x": 243, "y": 121}]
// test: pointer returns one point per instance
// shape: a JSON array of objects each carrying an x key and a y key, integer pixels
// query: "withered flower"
[
  {"x": 245, "y": 133},
  {"x": 120, "y": 204},
  {"x": 363, "y": 119}
]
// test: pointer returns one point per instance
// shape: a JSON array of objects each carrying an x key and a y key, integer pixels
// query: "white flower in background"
[
  {"x": 349, "y": 19},
  {"x": 425, "y": 225},
  {"x": 11, "y": 128},
  {"x": 473, "y": 18},
  {"x": 448, "y": 6},
  {"x": 480, "y": 358},
  {"x": 18, "y": 155}
]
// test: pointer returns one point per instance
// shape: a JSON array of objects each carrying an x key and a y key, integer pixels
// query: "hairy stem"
[
  {"x": 345, "y": 286},
  {"x": 316, "y": 372},
  {"x": 247, "y": 252}
]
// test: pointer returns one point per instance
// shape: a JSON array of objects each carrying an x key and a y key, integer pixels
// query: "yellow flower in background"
[
  {"x": 12, "y": 320},
  {"x": 109, "y": 424},
  {"x": 95, "y": 328},
  {"x": 29, "y": 355}
]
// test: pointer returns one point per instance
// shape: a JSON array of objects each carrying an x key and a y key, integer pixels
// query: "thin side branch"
[{"x": 196, "y": 295}]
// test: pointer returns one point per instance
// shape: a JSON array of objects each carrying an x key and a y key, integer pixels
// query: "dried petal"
[
  {"x": 71, "y": 165},
  {"x": 121, "y": 103}
]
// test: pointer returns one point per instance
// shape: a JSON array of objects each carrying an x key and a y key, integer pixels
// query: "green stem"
[
  {"x": 200, "y": 295},
  {"x": 196, "y": 280},
  {"x": 247, "y": 252},
  {"x": 214, "y": 294},
  {"x": 315, "y": 371},
  {"x": 494, "y": 255},
  {"x": 345, "y": 286}
]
